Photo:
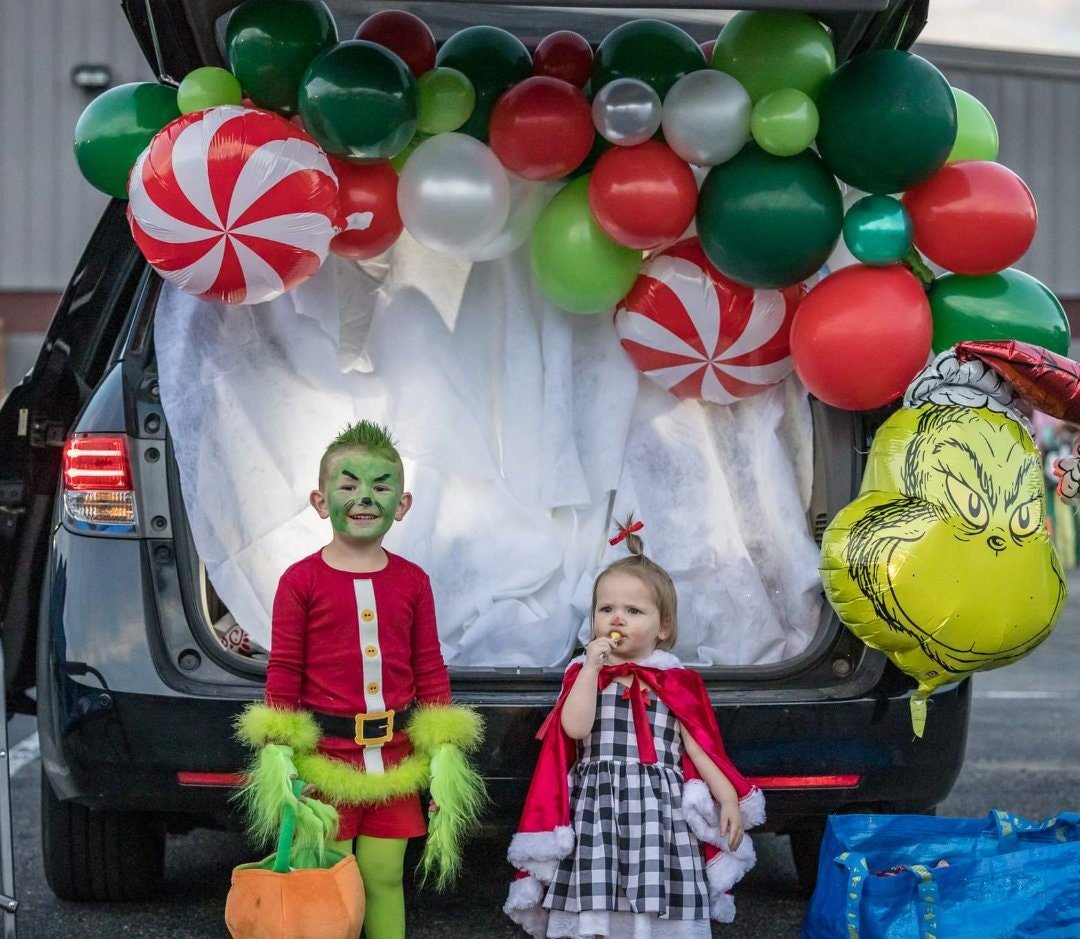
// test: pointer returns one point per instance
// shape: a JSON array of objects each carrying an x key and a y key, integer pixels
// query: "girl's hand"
[
  {"x": 731, "y": 823},
  {"x": 433, "y": 807},
  {"x": 597, "y": 651}
]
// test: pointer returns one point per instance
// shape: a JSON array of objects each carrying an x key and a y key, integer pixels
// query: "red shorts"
[{"x": 399, "y": 818}]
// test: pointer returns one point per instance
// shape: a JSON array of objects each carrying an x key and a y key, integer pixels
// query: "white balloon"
[
  {"x": 453, "y": 194},
  {"x": 627, "y": 111},
  {"x": 707, "y": 117},
  {"x": 527, "y": 200}
]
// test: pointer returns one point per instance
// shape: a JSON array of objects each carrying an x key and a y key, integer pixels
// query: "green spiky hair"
[{"x": 363, "y": 435}]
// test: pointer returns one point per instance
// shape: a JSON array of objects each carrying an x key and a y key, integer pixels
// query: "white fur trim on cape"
[
  {"x": 753, "y": 808},
  {"x": 523, "y": 906},
  {"x": 721, "y": 906},
  {"x": 656, "y": 659},
  {"x": 539, "y": 852},
  {"x": 729, "y": 867},
  {"x": 703, "y": 814}
]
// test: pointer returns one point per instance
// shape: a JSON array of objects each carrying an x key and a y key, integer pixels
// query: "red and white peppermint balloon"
[
  {"x": 700, "y": 335},
  {"x": 233, "y": 204}
]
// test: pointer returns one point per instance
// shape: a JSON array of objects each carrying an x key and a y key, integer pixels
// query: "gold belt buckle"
[{"x": 374, "y": 730}]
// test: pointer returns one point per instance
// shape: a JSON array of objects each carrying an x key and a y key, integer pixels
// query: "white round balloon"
[
  {"x": 627, "y": 112},
  {"x": 453, "y": 195},
  {"x": 707, "y": 117}
]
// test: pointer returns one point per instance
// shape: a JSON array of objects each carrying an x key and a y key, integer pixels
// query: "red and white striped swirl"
[
  {"x": 699, "y": 334},
  {"x": 233, "y": 204}
]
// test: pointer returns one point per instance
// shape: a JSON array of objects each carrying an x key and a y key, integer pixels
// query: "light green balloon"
[
  {"x": 785, "y": 122},
  {"x": 976, "y": 132},
  {"x": 207, "y": 87},
  {"x": 576, "y": 265},
  {"x": 447, "y": 100},
  {"x": 767, "y": 50}
]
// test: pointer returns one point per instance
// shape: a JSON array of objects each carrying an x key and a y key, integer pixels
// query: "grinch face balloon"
[{"x": 943, "y": 562}]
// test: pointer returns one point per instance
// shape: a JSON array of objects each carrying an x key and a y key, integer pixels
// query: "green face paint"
[{"x": 362, "y": 494}]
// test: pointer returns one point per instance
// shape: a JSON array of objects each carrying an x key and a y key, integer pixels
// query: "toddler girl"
[{"x": 633, "y": 825}]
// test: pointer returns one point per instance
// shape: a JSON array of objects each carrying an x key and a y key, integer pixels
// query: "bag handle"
[
  {"x": 927, "y": 891},
  {"x": 855, "y": 864},
  {"x": 1010, "y": 827}
]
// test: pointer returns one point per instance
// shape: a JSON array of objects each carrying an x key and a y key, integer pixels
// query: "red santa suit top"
[{"x": 345, "y": 643}]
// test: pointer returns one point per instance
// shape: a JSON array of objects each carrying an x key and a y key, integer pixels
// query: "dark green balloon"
[
  {"x": 888, "y": 121},
  {"x": 1006, "y": 305},
  {"x": 655, "y": 52},
  {"x": 877, "y": 230},
  {"x": 768, "y": 221},
  {"x": 116, "y": 127},
  {"x": 493, "y": 60},
  {"x": 271, "y": 43},
  {"x": 359, "y": 101}
]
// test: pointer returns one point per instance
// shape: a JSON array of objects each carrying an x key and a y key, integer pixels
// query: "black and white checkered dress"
[{"x": 636, "y": 869}]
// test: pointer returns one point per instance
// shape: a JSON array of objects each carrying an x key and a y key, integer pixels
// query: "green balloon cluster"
[
  {"x": 359, "y": 101},
  {"x": 493, "y": 60},
  {"x": 271, "y": 43},
  {"x": 770, "y": 50},
  {"x": 207, "y": 87},
  {"x": 651, "y": 51},
  {"x": 785, "y": 122},
  {"x": 768, "y": 221},
  {"x": 116, "y": 127},
  {"x": 888, "y": 121},
  {"x": 878, "y": 230},
  {"x": 1006, "y": 305},
  {"x": 976, "y": 132},
  {"x": 576, "y": 265}
]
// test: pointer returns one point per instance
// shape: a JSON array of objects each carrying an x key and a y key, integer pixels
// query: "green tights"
[{"x": 382, "y": 864}]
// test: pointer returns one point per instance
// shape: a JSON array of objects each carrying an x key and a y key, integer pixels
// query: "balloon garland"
[{"x": 596, "y": 158}]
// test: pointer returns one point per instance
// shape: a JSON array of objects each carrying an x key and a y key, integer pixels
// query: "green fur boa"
[
  {"x": 440, "y": 735},
  {"x": 260, "y": 724}
]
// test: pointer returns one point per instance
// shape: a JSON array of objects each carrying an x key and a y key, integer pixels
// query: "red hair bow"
[{"x": 623, "y": 532}]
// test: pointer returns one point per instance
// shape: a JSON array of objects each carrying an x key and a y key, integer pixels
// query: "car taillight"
[{"x": 97, "y": 486}]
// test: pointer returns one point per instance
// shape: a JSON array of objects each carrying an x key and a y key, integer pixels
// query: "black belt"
[{"x": 368, "y": 730}]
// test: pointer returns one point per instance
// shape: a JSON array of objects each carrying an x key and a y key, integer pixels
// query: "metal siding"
[
  {"x": 1035, "y": 101},
  {"x": 48, "y": 209}
]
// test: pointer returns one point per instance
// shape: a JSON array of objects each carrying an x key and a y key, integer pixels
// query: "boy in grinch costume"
[{"x": 357, "y": 688}]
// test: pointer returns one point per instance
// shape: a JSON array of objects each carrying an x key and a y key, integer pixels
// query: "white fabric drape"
[{"x": 524, "y": 431}]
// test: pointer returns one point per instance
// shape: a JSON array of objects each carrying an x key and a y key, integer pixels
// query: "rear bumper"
[{"x": 124, "y": 752}]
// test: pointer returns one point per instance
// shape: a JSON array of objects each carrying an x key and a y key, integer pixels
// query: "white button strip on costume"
[{"x": 369, "y": 636}]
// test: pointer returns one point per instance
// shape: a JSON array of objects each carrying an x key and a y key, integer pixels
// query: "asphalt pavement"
[{"x": 1023, "y": 755}]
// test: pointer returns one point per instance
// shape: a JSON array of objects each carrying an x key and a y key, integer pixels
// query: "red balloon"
[
  {"x": 707, "y": 48},
  {"x": 404, "y": 34},
  {"x": 542, "y": 128},
  {"x": 367, "y": 201},
  {"x": 643, "y": 196},
  {"x": 566, "y": 55},
  {"x": 861, "y": 335},
  {"x": 973, "y": 217}
]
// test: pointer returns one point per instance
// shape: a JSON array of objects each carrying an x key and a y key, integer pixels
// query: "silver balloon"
[
  {"x": 453, "y": 194},
  {"x": 627, "y": 112},
  {"x": 707, "y": 117},
  {"x": 527, "y": 200}
]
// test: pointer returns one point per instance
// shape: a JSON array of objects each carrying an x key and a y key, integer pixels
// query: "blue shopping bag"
[{"x": 1004, "y": 877}]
